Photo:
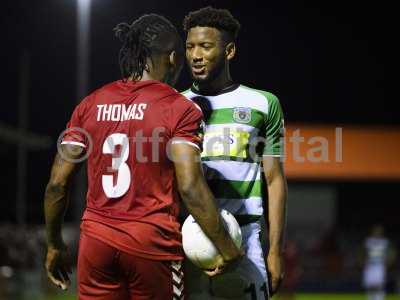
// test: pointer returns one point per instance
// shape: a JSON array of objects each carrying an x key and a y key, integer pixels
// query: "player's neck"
[
  {"x": 149, "y": 76},
  {"x": 220, "y": 83},
  {"x": 152, "y": 73}
]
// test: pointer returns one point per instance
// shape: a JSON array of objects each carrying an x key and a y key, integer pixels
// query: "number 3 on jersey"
[{"x": 118, "y": 164}]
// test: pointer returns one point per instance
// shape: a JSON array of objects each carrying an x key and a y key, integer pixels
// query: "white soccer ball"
[{"x": 198, "y": 247}]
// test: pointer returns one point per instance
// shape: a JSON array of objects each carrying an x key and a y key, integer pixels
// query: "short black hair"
[
  {"x": 149, "y": 35},
  {"x": 220, "y": 19}
]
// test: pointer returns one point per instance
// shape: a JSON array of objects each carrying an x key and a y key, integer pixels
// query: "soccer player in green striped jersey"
[{"x": 242, "y": 151}]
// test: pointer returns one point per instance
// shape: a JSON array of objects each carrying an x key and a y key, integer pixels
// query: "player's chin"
[{"x": 200, "y": 78}]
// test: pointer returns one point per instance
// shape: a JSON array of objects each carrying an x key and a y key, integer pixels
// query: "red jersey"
[{"x": 132, "y": 199}]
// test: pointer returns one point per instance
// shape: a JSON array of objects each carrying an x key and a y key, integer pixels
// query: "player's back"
[
  {"x": 131, "y": 188},
  {"x": 129, "y": 175}
]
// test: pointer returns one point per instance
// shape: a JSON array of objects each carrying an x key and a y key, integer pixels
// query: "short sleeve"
[
  {"x": 274, "y": 124},
  {"x": 74, "y": 134},
  {"x": 188, "y": 123}
]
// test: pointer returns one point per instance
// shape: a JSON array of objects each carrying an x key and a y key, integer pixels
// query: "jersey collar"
[{"x": 228, "y": 89}]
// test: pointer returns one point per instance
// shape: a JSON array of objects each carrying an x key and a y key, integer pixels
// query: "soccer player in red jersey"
[{"x": 142, "y": 142}]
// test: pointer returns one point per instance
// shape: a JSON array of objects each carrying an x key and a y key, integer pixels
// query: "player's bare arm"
[
  {"x": 58, "y": 264},
  {"x": 199, "y": 200},
  {"x": 277, "y": 197}
]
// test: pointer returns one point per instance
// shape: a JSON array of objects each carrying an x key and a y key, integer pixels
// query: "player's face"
[{"x": 205, "y": 53}]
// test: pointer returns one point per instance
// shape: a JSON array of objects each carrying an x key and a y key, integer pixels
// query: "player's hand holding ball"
[
  {"x": 58, "y": 265},
  {"x": 202, "y": 252}
]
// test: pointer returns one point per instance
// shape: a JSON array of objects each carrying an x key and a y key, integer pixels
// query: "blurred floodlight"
[{"x": 84, "y": 4}]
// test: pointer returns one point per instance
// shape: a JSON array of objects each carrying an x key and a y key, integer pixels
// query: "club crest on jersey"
[{"x": 242, "y": 114}]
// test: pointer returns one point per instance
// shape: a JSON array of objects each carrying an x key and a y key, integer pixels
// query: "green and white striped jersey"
[{"x": 241, "y": 125}]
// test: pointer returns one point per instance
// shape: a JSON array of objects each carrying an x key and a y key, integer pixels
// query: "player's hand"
[
  {"x": 220, "y": 266},
  {"x": 58, "y": 266},
  {"x": 224, "y": 265},
  {"x": 275, "y": 270}
]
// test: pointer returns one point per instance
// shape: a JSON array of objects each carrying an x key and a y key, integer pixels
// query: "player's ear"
[
  {"x": 230, "y": 50},
  {"x": 173, "y": 59},
  {"x": 176, "y": 60}
]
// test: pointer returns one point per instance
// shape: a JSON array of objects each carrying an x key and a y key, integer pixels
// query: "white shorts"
[
  {"x": 246, "y": 281},
  {"x": 374, "y": 276}
]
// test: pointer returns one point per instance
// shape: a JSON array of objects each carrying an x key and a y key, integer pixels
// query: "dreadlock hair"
[
  {"x": 146, "y": 37},
  {"x": 220, "y": 19}
]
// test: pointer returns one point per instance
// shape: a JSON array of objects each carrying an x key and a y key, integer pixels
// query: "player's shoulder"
[
  {"x": 93, "y": 97},
  {"x": 185, "y": 103},
  {"x": 266, "y": 95},
  {"x": 186, "y": 100},
  {"x": 105, "y": 88},
  {"x": 262, "y": 100},
  {"x": 165, "y": 88},
  {"x": 183, "y": 98},
  {"x": 167, "y": 93}
]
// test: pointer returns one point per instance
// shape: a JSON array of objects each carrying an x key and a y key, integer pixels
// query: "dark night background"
[{"x": 324, "y": 60}]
